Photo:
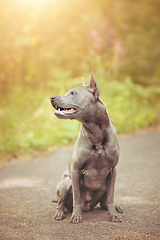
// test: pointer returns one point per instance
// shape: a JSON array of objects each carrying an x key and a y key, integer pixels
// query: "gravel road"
[{"x": 27, "y": 188}]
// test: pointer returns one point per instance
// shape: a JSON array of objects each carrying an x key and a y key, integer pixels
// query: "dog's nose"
[{"x": 53, "y": 98}]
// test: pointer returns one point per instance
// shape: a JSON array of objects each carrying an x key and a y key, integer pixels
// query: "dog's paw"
[
  {"x": 115, "y": 217},
  {"x": 76, "y": 215},
  {"x": 59, "y": 215},
  {"x": 118, "y": 209},
  {"x": 113, "y": 212},
  {"x": 76, "y": 218}
]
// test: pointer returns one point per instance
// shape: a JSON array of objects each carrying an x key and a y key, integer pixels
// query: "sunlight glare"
[{"x": 34, "y": 2}]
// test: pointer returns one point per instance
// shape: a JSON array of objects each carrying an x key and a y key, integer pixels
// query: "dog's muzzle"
[
  {"x": 52, "y": 99},
  {"x": 61, "y": 111}
]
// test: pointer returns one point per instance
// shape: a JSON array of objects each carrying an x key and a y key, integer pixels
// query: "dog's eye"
[{"x": 72, "y": 93}]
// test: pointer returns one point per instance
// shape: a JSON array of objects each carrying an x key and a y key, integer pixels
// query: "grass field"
[{"x": 28, "y": 123}]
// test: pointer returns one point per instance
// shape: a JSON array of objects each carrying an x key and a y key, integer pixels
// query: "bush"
[{"x": 28, "y": 121}]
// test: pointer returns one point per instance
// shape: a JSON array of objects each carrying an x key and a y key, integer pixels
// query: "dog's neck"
[{"x": 96, "y": 127}]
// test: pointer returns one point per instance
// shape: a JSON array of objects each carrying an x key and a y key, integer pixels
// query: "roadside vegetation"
[
  {"x": 46, "y": 49},
  {"x": 28, "y": 122}
]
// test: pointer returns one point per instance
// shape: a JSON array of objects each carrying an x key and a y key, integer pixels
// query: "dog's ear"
[
  {"x": 83, "y": 84},
  {"x": 93, "y": 86}
]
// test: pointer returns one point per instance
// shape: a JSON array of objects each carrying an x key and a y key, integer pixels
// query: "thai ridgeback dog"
[{"x": 91, "y": 174}]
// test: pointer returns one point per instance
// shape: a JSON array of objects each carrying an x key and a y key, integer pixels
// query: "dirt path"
[{"x": 28, "y": 186}]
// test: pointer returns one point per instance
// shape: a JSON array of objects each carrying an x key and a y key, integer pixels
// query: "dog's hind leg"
[
  {"x": 60, "y": 215},
  {"x": 63, "y": 190},
  {"x": 118, "y": 209}
]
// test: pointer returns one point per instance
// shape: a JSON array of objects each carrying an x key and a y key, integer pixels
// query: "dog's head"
[{"x": 77, "y": 103}]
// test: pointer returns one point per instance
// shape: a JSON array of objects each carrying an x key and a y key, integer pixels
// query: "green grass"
[{"x": 28, "y": 122}]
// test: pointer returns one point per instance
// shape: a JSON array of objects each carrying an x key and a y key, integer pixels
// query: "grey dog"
[{"x": 91, "y": 174}]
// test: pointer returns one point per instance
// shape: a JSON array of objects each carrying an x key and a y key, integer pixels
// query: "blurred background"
[{"x": 46, "y": 46}]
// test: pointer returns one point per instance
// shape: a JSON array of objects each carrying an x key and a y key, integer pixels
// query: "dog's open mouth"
[{"x": 65, "y": 111}]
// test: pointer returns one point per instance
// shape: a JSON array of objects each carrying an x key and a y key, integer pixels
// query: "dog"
[{"x": 91, "y": 174}]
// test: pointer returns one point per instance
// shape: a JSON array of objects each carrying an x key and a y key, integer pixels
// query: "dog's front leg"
[
  {"x": 77, "y": 213},
  {"x": 115, "y": 217}
]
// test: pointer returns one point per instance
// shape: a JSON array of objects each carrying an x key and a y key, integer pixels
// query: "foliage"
[
  {"x": 120, "y": 38},
  {"x": 46, "y": 46},
  {"x": 28, "y": 122}
]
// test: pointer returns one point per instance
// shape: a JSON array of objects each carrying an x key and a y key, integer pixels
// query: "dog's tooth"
[{"x": 59, "y": 109}]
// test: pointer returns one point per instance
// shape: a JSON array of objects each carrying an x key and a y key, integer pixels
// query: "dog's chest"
[
  {"x": 98, "y": 160},
  {"x": 95, "y": 170}
]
